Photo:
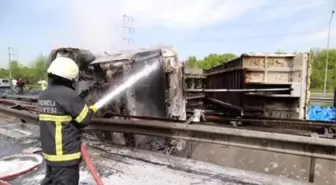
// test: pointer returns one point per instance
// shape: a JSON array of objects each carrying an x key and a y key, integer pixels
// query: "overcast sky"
[{"x": 194, "y": 27}]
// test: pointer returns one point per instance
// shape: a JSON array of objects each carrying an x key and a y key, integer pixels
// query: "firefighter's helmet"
[{"x": 65, "y": 68}]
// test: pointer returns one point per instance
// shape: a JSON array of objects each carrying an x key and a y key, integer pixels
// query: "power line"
[
  {"x": 127, "y": 30},
  {"x": 12, "y": 55}
]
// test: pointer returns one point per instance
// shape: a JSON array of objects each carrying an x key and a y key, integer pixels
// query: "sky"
[{"x": 194, "y": 27}]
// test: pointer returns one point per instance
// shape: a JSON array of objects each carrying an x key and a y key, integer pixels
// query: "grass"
[
  {"x": 323, "y": 105},
  {"x": 33, "y": 87},
  {"x": 317, "y": 90}
]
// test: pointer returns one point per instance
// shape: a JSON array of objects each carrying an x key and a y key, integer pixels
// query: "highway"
[{"x": 131, "y": 166}]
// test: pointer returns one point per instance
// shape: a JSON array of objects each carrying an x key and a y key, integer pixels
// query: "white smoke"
[
  {"x": 97, "y": 25},
  {"x": 87, "y": 24}
]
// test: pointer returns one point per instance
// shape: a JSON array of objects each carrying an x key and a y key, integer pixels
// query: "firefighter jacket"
[{"x": 62, "y": 113}]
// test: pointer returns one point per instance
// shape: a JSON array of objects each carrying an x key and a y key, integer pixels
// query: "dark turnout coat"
[{"x": 62, "y": 113}]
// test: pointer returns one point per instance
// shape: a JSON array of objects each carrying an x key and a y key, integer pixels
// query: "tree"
[
  {"x": 215, "y": 60},
  {"x": 39, "y": 67},
  {"x": 30, "y": 73},
  {"x": 191, "y": 62},
  {"x": 16, "y": 69},
  {"x": 210, "y": 60},
  {"x": 318, "y": 62},
  {"x": 4, "y": 73}
]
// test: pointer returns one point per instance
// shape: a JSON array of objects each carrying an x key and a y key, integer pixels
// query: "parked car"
[{"x": 5, "y": 82}]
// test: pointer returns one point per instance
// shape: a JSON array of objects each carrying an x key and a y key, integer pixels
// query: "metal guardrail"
[
  {"x": 217, "y": 134},
  {"x": 321, "y": 98}
]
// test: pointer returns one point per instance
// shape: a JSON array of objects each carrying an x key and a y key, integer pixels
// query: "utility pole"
[
  {"x": 326, "y": 68},
  {"x": 127, "y": 30},
  {"x": 12, "y": 55}
]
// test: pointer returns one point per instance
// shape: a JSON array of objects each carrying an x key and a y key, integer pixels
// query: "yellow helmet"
[{"x": 65, "y": 68}]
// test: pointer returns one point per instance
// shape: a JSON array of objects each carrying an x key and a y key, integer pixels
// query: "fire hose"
[
  {"x": 85, "y": 155},
  {"x": 89, "y": 164},
  {"x": 4, "y": 183},
  {"x": 11, "y": 176}
]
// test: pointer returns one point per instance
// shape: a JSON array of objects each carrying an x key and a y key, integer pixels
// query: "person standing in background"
[
  {"x": 20, "y": 85},
  {"x": 14, "y": 83}
]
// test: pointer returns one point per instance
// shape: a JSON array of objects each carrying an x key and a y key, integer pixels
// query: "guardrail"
[
  {"x": 217, "y": 134},
  {"x": 321, "y": 98}
]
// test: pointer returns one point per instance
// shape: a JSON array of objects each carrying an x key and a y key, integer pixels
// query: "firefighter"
[{"x": 62, "y": 113}]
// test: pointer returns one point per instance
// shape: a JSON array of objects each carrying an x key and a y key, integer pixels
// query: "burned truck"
[
  {"x": 159, "y": 95},
  {"x": 254, "y": 85}
]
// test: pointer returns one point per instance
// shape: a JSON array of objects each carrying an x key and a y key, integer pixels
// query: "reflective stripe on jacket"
[{"x": 62, "y": 115}]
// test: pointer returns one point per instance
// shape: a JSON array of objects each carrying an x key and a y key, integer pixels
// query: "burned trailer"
[
  {"x": 261, "y": 85},
  {"x": 193, "y": 79},
  {"x": 158, "y": 95}
]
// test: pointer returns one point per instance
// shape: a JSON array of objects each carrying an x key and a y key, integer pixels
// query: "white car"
[{"x": 4, "y": 82}]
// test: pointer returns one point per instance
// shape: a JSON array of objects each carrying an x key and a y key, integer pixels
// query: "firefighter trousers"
[{"x": 59, "y": 175}]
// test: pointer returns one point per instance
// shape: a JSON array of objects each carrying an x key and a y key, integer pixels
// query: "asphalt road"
[{"x": 124, "y": 166}]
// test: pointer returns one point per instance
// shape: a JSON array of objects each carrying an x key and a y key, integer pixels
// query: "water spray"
[{"x": 128, "y": 83}]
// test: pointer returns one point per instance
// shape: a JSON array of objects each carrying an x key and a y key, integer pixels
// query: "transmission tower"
[
  {"x": 12, "y": 56},
  {"x": 127, "y": 30}
]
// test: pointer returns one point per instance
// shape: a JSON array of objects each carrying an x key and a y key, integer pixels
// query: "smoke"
[
  {"x": 93, "y": 25},
  {"x": 97, "y": 25}
]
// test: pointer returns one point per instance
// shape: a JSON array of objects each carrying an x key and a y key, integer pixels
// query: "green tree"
[
  {"x": 39, "y": 68},
  {"x": 192, "y": 62},
  {"x": 210, "y": 60},
  {"x": 31, "y": 73},
  {"x": 4, "y": 73},
  {"x": 318, "y": 62},
  {"x": 215, "y": 60},
  {"x": 16, "y": 69}
]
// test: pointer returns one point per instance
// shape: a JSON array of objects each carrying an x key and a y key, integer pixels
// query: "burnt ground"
[{"x": 293, "y": 167}]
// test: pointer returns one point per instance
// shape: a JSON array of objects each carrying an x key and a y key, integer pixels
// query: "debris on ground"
[{"x": 119, "y": 165}]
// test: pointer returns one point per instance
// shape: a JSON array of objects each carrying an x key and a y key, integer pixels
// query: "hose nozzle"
[{"x": 93, "y": 108}]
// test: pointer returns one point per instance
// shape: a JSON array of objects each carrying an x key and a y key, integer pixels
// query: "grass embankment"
[
  {"x": 33, "y": 87},
  {"x": 316, "y": 90}
]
